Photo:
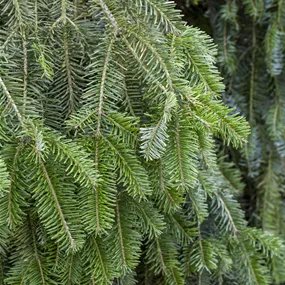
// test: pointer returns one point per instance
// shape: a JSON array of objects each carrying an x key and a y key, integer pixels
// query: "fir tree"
[
  {"x": 250, "y": 37},
  {"x": 109, "y": 166}
]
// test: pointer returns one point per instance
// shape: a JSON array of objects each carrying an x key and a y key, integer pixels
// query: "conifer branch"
[
  {"x": 37, "y": 256},
  {"x": 12, "y": 102},
  {"x": 102, "y": 87},
  {"x": 11, "y": 211},
  {"x": 122, "y": 246},
  {"x": 109, "y": 172},
  {"x": 109, "y": 16},
  {"x": 58, "y": 207},
  {"x": 68, "y": 71}
]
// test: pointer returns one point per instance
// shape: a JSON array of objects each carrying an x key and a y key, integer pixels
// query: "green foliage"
[
  {"x": 250, "y": 38},
  {"x": 110, "y": 112}
]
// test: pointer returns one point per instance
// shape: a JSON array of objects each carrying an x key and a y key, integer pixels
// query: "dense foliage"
[
  {"x": 109, "y": 168},
  {"x": 250, "y": 37}
]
